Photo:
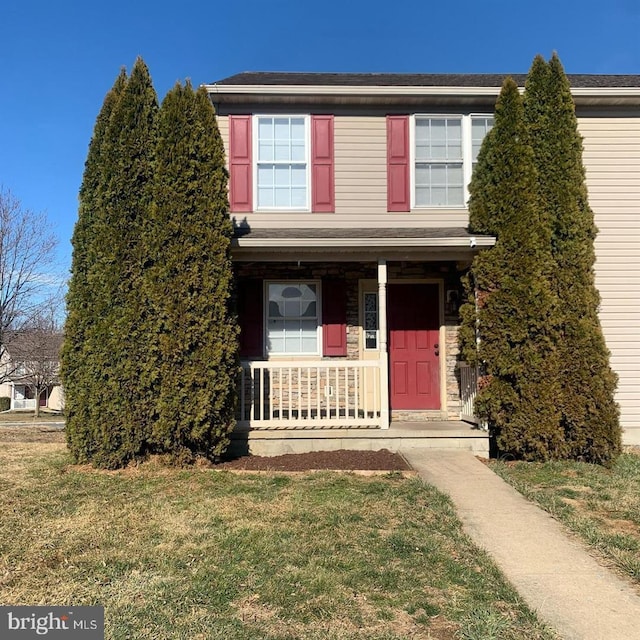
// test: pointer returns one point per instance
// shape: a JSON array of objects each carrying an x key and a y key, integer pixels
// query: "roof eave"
[
  {"x": 234, "y": 94},
  {"x": 348, "y": 243}
]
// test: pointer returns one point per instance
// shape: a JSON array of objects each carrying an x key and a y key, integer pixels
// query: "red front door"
[{"x": 414, "y": 370}]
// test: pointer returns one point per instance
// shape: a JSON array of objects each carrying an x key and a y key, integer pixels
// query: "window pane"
[
  {"x": 298, "y": 175},
  {"x": 422, "y": 175},
  {"x": 422, "y": 196},
  {"x": 281, "y": 197},
  {"x": 299, "y": 197},
  {"x": 265, "y": 151},
  {"x": 438, "y": 174},
  {"x": 281, "y": 128},
  {"x": 265, "y": 197},
  {"x": 297, "y": 151},
  {"x": 454, "y": 139},
  {"x": 438, "y": 131},
  {"x": 282, "y": 176},
  {"x": 282, "y": 151},
  {"x": 455, "y": 175},
  {"x": 438, "y": 196},
  {"x": 455, "y": 196},
  {"x": 371, "y": 320},
  {"x": 297, "y": 129},
  {"x": 265, "y": 129}
]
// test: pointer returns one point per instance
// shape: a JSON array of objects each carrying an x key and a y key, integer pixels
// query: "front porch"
[
  {"x": 351, "y": 342},
  {"x": 294, "y": 407}
]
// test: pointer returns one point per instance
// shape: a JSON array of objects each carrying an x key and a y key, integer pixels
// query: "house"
[
  {"x": 30, "y": 369},
  {"x": 348, "y": 196}
]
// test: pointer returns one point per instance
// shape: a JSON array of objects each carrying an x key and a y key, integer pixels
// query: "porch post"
[{"x": 384, "y": 356}]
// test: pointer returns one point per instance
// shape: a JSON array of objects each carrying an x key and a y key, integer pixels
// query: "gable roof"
[
  {"x": 405, "y": 89},
  {"x": 271, "y": 78},
  {"x": 21, "y": 345}
]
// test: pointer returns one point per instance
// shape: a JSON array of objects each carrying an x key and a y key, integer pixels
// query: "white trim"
[
  {"x": 479, "y": 241},
  {"x": 378, "y": 90},
  {"x": 254, "y": 159}
]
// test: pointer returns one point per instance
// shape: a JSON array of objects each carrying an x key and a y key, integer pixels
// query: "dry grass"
[
  {"x": 600, "y": 505},
  {"x": 208, "y": 554},
  {"x": 30, "y": 416}
]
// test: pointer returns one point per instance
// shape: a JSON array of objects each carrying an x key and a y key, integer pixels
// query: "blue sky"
[{"x": 58, "y": 60}]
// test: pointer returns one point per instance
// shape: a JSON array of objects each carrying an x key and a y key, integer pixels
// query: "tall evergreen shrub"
[
  {"x": 511, "y": 305},
  {"x": 116, "y": 346},
  {"x": 82, "y": 382},
  {"x": 588, "y": 410},
  {"x": 189, "y": 282}
]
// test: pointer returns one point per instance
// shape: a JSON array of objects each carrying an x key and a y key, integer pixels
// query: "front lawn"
[
  {"x": 601, "y": 505},
  {"x": 208, "y": 554}
]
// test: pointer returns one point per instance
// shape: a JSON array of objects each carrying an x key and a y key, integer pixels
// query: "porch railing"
[
  {"x": 309, "y": 394},
  {"x": 468, "y": 392},
  {"x": 24, "y": 403}
]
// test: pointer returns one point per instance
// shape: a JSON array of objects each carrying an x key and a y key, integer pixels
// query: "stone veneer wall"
[{"x": 352, "y": 273}]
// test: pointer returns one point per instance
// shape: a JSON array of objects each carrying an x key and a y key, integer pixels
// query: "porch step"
[{"x": 400, "y": 435}]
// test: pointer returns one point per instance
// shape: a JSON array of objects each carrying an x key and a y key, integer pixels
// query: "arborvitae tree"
[
  {"x": 511, "y": 305},
  {"x": 81, "y": 384},
  {"x": 588, "y": 410},
  {"x": 189, "y": 282},
  {"x": 117, "y": 344}
]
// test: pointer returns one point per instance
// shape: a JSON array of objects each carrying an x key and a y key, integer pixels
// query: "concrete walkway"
[{"x": 553, "y": 572}]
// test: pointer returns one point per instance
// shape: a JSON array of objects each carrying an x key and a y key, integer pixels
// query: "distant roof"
[
  {"x": 414, "y": 79},
  {"x": 23, "y": 344}
]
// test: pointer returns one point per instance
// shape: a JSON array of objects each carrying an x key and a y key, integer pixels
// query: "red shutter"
[
  {"x": 250, "y": 317},
  {"x": 322, "y": 180},
  {"x": 334, "y": 318},
  {"x": 398, "y": 163},
  {"x": 240, "y": 170}
]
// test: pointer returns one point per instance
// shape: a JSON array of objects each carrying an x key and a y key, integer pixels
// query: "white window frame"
[
  {"x": 467, "y": 151},
  {"x": 307, "y": 158},
  {"x": 265, "y": 339}
]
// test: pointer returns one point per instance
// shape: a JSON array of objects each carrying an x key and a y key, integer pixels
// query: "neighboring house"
[
  {"x": 348, "y": 194},
  {"x": 30, "y": 369}
]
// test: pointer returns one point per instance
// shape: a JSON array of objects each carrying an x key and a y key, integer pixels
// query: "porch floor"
[{"x": 400, "y": 435}]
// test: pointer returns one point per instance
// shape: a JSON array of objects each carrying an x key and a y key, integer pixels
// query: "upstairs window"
[
  {"x": 282, "y": 174},
  {"x": 439, "y": 174},
  {"x": 480, "y": 126},
  {"x": 445, "y": 150}
]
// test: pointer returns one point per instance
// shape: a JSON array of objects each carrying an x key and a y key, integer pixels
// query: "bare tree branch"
[{"x": 26, "y": 254}]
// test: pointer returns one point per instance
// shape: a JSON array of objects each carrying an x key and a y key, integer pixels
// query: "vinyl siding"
[
  {"x": 223, "y": 127},
  {"x": 360, "y": 182},
  {"x": 612, "y": 161},
  {"x": 361, "y": 165}
]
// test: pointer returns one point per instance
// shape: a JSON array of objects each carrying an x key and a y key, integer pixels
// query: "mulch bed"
[{"x": 342, "y": 460}]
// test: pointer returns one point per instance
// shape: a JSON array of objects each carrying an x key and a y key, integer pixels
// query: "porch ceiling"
[{"x": 356, "y": 244}]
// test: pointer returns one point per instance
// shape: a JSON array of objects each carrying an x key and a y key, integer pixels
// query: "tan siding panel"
[
  {"x": 361, "y": 164},
  {"x": 612, "y": 161},
  {"x": 223, "y": 126}
]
